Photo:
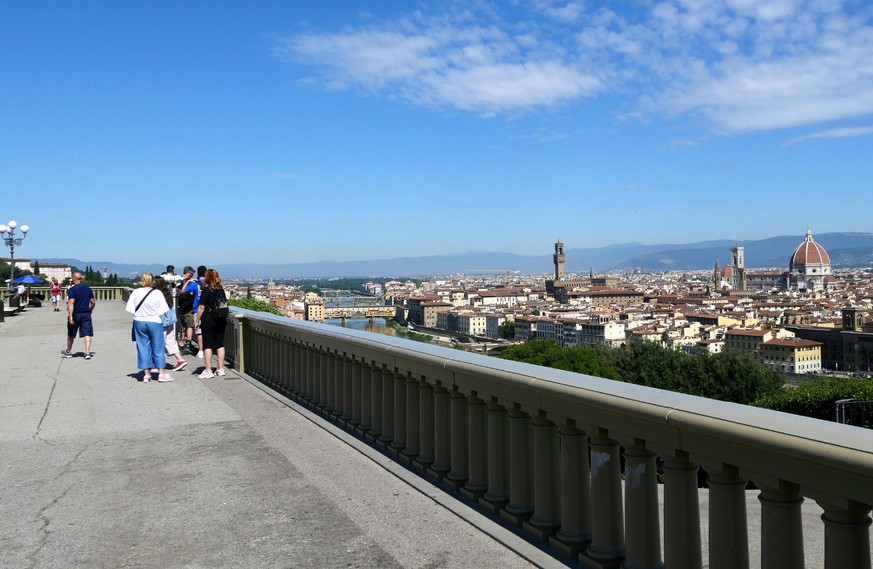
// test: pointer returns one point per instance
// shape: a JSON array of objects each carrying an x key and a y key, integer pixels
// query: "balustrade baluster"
[
  {"x": 311, "y": 376},
  {"x": 376, "y": 402},
  {"x": 412, "y": 419},
  {"x": 642, "y": 526},
  {"x": 498, "y": 464},
  {"x": 781, "y": 527},
  {"x": 334, "y": 385},
  {"x": 520, "y": 506},
  {"x": 442, "y": 459},
  {"x": 323, "y": 397},
  {"x": 426, "y": 422},
  {"x": 387, "y": 408},
  {"x": 545, "y": 520},
  {"x": 399, "y": 406},
  {"x": 357, "y": 379},
  {"x": 575, "y": 532},
  {"x": 477, "y": 457},
  {"x": 728, "y": 524},
  {"x": 297, "y": 380},
  {"x": 847, "y": 535},
  {"x": 366, "y": 398},
  {"x": 682, "y": 545},
  {"x": 347, "y": 379},
  {"x": 271, "y": 360},
  {"x": 607, "y": 525},
  {"x": 459, "y": 472}
]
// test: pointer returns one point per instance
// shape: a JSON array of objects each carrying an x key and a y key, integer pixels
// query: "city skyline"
[{"x": 291, "y": 132}]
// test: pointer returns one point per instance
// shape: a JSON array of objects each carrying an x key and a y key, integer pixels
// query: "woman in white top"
[{"x": 147, "y": 304}]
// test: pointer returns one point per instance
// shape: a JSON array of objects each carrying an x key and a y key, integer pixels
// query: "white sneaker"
[
  {"x": 219, "y": 372},
  {"x": 200, "y": 355},
  {"x": 206, "y": 374},
  {"x": 165, "y": 378}
]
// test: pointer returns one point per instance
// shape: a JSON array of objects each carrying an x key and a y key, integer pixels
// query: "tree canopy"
[{"x": 729, "y": 376}]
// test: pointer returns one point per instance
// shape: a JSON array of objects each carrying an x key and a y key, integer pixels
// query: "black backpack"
[
  {"x": 220, "y": 311},
  {"x": 185, "y": 300}
]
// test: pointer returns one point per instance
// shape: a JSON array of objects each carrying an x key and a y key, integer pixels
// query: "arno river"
[
  {"x": 346, "y": 298},
  {"x": 376, "y": 325}
]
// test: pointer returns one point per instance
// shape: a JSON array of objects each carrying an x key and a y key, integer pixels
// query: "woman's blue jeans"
[{"x": 149, "y": 345}]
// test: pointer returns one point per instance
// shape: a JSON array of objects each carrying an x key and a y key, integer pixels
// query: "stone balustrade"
[
  {"x": 576, "y": 460},
  {"x": 100, "y": 292}
]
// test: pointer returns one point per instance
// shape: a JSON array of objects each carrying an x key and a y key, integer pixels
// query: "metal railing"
[
  {"x": 542, "y": 448},
  {"x": 853, "y": 412}
]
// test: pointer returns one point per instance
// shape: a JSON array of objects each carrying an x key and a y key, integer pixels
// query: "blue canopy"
[{"x": 28, "y": 279}]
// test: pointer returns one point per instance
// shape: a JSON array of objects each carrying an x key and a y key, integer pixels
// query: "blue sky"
[{"x": 221, "y": 132}]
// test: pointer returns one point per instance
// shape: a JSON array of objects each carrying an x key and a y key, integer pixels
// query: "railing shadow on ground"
[{"x": 542, "y": 449}]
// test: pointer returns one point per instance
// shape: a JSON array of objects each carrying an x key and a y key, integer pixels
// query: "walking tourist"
[
  {"x": 56, "y": 294},
  {"x": 148, "y": 331},
  {"x": 80, "y": 304},
  {"x": 211, "y": 315},
  {"x": 171, "y": 347}
]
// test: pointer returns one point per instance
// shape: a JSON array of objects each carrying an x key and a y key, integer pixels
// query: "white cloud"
[
  {"x": 844, "y": 132},
  {"x": 737, "y": 65}
]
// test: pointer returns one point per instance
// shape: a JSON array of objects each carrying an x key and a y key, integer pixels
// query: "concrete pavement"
[{"x": 98, "y": 469}]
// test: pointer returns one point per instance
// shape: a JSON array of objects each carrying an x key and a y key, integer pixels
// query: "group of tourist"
[{"x": 197, "y": 304}]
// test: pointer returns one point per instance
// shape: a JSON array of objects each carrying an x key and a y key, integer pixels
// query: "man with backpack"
[{"x": 187, "y": 300}]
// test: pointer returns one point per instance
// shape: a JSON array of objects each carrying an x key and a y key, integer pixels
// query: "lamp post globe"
[{"x": 11, "y": 241}]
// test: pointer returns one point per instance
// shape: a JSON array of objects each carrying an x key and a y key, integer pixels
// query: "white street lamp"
[{"x": 8, "y": 233}]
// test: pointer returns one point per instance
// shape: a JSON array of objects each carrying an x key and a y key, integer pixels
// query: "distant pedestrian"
[
  {"x": 211, "y": 315},
  {"x": 80, "y": 304},
  {"x": 171, "y": 347},
  {"x": 56, "y": 294}
]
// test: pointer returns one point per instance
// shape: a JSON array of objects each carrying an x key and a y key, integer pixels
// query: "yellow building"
[{"x": 792, "y": 355}]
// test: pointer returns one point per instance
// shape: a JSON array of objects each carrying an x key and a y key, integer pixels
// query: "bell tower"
[{"x": 558, "y": 258}]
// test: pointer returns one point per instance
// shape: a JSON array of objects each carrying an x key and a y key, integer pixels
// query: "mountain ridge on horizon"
[{"x": 845, "y": 249}]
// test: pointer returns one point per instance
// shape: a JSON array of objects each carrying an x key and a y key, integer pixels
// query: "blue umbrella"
[{"x": 28, "y": 279}]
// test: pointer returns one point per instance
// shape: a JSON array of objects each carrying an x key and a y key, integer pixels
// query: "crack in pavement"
[
  {"x": 44, "y": 531},
  {"x": 47, "y": 403},
  {"x": 41, "y": 513}
]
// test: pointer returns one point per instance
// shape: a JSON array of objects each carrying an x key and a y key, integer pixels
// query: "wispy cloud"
[
  {"x": 845, "y": 132},
  {"x": 737, "y": 65}
]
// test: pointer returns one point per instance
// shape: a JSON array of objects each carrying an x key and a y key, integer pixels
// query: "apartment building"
[{"x": 792, "y": 355}]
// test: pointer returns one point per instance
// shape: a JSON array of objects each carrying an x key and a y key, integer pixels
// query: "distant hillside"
[{"x": 845, "y": 249}]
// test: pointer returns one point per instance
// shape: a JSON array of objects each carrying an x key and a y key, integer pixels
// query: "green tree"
[
  {"x": 254, "y": 304},
  {"x": 507, "y": 329},
  {"x": 730, "y": 376},
  {"x": 818, "y": 399},
  {"x": 548, "y": 353}
]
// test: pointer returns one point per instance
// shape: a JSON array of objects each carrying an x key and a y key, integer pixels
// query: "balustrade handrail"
[
  {"x": 787, "y": 456},
  {"x": 675, "y": 420}
]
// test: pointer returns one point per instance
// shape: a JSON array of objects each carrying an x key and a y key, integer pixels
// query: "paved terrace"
[{"x": 98, "y": 469}]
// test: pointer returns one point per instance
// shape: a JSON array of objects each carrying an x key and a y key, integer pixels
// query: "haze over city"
[{"x": 302, "y": 131}]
